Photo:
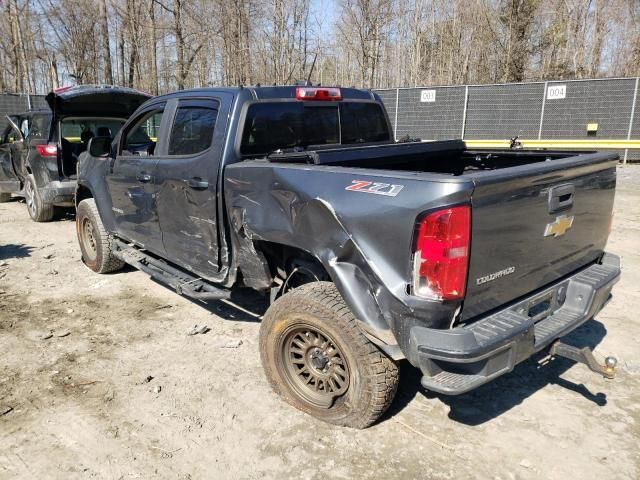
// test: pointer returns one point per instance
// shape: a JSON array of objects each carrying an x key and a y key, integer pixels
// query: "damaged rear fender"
[{"x": 319, "y": 233}]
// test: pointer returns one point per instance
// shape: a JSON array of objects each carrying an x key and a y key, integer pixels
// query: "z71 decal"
[{"x": 374, "y": 187}]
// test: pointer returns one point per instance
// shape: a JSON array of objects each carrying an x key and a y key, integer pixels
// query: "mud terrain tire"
[
  {"x": 95, "y": 243},
  {"x": 318, "y": 360}
]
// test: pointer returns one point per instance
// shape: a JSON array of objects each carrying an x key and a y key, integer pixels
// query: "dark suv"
[{"x": 39, "y": 149}]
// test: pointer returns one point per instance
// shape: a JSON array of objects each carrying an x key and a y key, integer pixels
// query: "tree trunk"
[{"x": 106, "y": 48}]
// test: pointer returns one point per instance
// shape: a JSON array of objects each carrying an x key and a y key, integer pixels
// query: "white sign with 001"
[{"x": 427, "y": 95}]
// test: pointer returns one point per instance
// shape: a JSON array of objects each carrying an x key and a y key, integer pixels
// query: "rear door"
[
  {"x": 11, "y": 145},
  {"x": 131, "y": 181},
  {"x": 534, "y": 224},
  {"x": 187, "y": 174}
]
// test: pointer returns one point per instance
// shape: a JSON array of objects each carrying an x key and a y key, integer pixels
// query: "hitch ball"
[{"x": 610, "y": 364}]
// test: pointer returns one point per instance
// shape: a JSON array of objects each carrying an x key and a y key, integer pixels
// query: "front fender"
[{"x": 92, "y": 172}]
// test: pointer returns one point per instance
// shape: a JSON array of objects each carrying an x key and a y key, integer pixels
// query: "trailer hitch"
[{"x": 585, "y": 355}]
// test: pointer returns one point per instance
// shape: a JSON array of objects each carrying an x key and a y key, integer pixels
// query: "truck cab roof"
[{"x": 283, "y": 92}]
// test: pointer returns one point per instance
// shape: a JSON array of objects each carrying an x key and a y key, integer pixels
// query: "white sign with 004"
[{"x": 556, "y": 92}]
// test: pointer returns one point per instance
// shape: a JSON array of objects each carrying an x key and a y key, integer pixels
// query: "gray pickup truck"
[{"x": 464, "y": 262}]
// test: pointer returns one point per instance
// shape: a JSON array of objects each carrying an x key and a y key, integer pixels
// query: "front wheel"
[
  {"x": 318, "y": 360},
  {"x": 39, "y": 211},
  {"x": 96, "y": 243}
]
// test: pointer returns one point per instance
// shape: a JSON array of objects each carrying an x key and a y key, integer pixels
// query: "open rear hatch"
[
  {"x": 534, "y": 224},
  {"x": 100, "y": 100}
]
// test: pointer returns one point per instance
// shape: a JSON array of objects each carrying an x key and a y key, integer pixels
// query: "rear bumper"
[
  {"x": 59, "y": 192},
  {"x": 460, "y": 359}
]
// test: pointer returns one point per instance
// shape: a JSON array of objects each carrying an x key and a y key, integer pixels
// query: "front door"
[
  {"x": 186, "y": 174},
  {"x": 132, "y": 183},
  {"x": 11, "y": 145}
]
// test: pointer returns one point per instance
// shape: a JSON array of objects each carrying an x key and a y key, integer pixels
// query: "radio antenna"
[{"x": 311, "y": 70}]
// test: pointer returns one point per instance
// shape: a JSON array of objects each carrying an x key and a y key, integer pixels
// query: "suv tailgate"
[
  {"x": 534, "y": 224},
  {"x": 101, "y": 100}
]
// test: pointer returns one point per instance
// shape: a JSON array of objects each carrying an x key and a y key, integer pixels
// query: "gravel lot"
[{"x": 121, "y": 391}]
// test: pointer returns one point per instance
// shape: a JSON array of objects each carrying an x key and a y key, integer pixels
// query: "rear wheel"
[
  {"x": 39, "y": 211},
  {"x": 5, "y": 197},
  {"x": 318, "y": 360},
  {"x": 96, "y": 243}
]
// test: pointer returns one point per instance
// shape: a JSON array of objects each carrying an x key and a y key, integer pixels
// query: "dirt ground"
[{"x": 121, "y": 391}]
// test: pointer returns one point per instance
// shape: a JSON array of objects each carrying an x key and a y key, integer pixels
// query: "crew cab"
[
  {"x": 465, "y": 262},
  {"x": 39, "y": 149}
]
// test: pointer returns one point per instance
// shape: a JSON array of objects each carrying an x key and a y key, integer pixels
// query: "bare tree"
[
  {"x": 161, "y": 45},
  {"x": 363, "y": 28}
]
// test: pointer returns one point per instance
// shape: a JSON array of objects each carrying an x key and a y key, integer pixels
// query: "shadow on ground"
[
  {"x": 14, "y": 250},
  {"x": 508, "y": 391},
  {"x": 65, "y": 214},
  {"x": 474, "y": 408}
]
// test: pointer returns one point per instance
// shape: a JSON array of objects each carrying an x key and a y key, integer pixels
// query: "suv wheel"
[
  {"x": 5, "y": 197},
  {"x": 95, "y": 243},
  {"x": 318, "y": 360},
  {"x": 38, "y": 210}
]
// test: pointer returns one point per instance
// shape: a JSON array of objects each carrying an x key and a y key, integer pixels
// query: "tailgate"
[
  {"x": 96, "y": 100},
  {"x": 534, "y": 224}
]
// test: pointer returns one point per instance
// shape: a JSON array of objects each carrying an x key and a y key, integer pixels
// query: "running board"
[{"x": 182, "y": 282}]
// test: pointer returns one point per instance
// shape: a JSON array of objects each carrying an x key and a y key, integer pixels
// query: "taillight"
[
  {"x": 318, "y": 93},
  {"x": 47, "y": 150},
  {"x": 441, "y": 256},
  {"x": 62, "y": 89}
]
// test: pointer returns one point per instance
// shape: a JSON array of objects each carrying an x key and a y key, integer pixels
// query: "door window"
[
  {"x": 10, "y": 135},
  {"x": 141, "y": 137},
  {"x": 39, "y": 127},
  {"x": 192, "y": 130}
]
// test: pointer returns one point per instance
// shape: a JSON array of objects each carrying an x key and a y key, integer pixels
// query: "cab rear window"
[{"x": 270, "y": 126}]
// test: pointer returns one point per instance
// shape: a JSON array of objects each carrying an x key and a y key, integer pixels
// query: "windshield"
[{"x": 278, "y": 125}]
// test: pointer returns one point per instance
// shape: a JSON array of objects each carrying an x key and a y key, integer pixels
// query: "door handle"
[
  {"x": 197, "y": 183},
  {"x": 143, "y": 177}
]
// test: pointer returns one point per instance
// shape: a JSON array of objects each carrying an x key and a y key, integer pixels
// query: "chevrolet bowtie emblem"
[{"x": 559, "y": 226}]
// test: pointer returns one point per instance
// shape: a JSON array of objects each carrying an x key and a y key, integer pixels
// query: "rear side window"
[
  {"x": 192, "y": 129},
  {"x": 271, "y": 126}
]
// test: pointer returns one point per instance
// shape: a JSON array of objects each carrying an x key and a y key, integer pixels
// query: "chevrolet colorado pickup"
[
  {"x": 39, "y": 149},
  {"x": 465, "y": 262}
]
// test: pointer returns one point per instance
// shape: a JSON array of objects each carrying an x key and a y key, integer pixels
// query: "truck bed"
[{"x": 446, "y": 157}]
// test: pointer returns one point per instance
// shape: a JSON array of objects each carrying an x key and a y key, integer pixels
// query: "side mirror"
[{"x": 99, "y": 146}]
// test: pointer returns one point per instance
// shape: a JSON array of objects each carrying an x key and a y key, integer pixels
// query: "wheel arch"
[
  {"x": 278, "y": 262},
  {"x": 82, "y": 193}
]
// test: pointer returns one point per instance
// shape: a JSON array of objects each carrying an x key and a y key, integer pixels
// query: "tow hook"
[{"x": 585, "y": 355}]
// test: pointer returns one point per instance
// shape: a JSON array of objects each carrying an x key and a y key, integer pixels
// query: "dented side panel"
[{"x": 363, "y": 240}]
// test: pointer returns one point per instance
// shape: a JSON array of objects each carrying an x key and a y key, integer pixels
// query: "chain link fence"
[{"x": 597, "y": 114}]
